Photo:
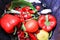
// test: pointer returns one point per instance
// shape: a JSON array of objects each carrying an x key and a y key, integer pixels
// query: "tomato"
[
  {"x": 31, "y": 25},
  {"x": 47, "y": 25},
  {"x": 38, "y": 8},
  {"x": 8, "y": 22}
]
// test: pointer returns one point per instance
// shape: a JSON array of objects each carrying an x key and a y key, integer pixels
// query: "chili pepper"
[
  {"x": 32, "y": 36},
  {"x": 31, "y": 11},
  {"x": 17, "y": 8},
  {"x": 47, "y": 22},
  {"x": 26, "y": 8},
  {"x": 27, "y": 38},
  {"x": 20, "y": 34},
  {"x": 8, "y": 22},
  {"x": 22, "y": 18},
  {"x": 27, "y": 16}
]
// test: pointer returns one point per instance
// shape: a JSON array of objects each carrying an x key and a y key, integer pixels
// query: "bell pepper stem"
[
  {"x": 46, "y": 18},
  {"x": 47, "y": 21}
]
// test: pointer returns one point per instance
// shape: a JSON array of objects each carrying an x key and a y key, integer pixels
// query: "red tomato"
[
  {"x": 8, "y": 22},
  {"x": 38, "y": 8},
  {"x": 42, "y": 22},
  {"x": 31, "y": 25}
]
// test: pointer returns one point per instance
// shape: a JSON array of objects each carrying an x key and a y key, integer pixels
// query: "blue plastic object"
[{"x": 54, "y": 5}]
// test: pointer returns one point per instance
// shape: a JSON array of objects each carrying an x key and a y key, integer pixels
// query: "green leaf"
[
  {"x": 15, "y": 31},
  {"x": 50, "y": 34},
  {"x": 26, "y": 34},
  {"x": 21, "y": 3},
  {"x": 17, "y": 0},
  {"x": 23, "y": 27}
]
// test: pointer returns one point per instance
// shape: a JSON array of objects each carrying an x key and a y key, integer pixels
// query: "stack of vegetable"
[{"x": 27, "y": 23}]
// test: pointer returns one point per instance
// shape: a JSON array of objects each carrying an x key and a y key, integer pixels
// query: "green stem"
[
  {"x": 23, "y": 27},
  {"x": 34, "y": 17},
  {"x": 46, "y": 18},
  {"x": 47, "y": 21},
  {"x": 15, "y": 31},
  {"x": 26, "y": 34},
  {"x": 50, "y": 34}
]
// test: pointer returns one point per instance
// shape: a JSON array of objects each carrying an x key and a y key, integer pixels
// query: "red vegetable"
[
  {"x": 0, "y": 21},
  {"x": 17, "y": 8},
  {"x": 31, "y": 25},
  {"x": 26, "y": 8},
  {"x": 31, "y": 11},
  {"x": 47, "y": 25},
  {"x": 27, "y": 16},
  {"x": 22, "y": 18},
  {"x": 19, "y": 26},
  {"x": 38, "y": 8},
  {"x": 8, "y": 22},
  {"x": 32, "y": 36},
  {"x": 27, "y": 38},
  {"x": 20, "y": 34}
]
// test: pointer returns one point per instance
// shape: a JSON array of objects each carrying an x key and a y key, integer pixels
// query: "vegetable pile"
[{"x": 25, "y": 21}]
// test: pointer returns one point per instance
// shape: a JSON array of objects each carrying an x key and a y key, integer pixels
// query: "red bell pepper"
[
  {"x": 47, "y": 23},
  {"x": 8, "y": 22}
]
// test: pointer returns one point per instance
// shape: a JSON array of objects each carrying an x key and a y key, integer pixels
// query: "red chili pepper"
[
  {"x": 17, "y": 8},
  {"x": 27, "y": 38},
  {"x": 8, "y": 22},
  {"x": 20, "y": 34},
  {"x": 31, "y": 11},
  {"x": 22, "y": 18},
  {"x": 32, "y": 36},
  {"x": 26, "y": 8},
  {"x": 27, "y": 16},
  {"x": 47, "y": 25}
]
